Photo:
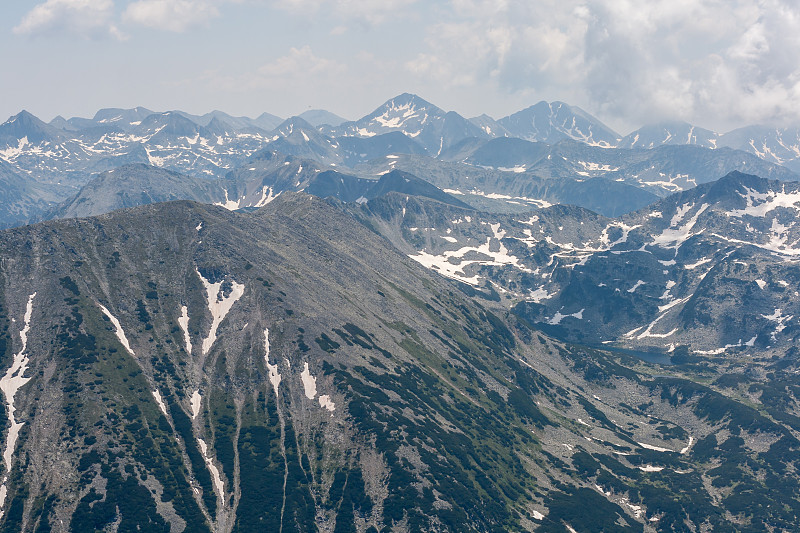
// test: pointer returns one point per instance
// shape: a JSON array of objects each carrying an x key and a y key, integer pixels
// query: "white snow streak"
[
  {"x": 686, "y": 448},
  {"x": 183, "y": 321},
  {"x": 213, "y": 469},
  {"x": 537, "y": 202},
  {"x": 638, "y": 284},
  {"x": 196, "y": 403},
  {"x": 10, "y": 383},
  {"x": 266, "y": 197},
  {"x": 654, "y": 448},
  {"x": 274, "y": 376},
  {"x": 160, "y": 401},
  {"x": 674, "y": 236},
  {"x": 117, "y": 329}
]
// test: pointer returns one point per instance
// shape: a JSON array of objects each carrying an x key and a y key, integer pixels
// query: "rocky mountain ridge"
[
  {"x": 566, "y": 147},
  {"x": 182, "y": 367},
  {"x": 709, "y": 272}
]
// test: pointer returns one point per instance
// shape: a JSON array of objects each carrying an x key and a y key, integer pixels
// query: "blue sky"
[{"x": 717, "y": 64}]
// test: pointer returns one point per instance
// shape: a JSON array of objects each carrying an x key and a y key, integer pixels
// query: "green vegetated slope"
[{"x": 319, "y": 380}]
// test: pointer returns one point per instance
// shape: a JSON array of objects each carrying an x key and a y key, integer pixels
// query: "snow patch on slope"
[
  {"x": 310, "y": 388},
  {"x": 654, "y": 448},
  {"x": 309, "y": 382},
  {"x": 759, "y": 204},
  {"x": 228, "y": 204},
  {"x": 266, "y": 197},
  {"x": 183, "y": 321},
  {"x": 445, "y": 265},
  {"x": 10, "y": 383},
  {"x": 638, "y": 284},
  {"x": 558, "y": 317},
  {"x": 196, "y": 403},
  {"x": 325, "y": 402},
  {"x": 160, "y": 401},
  {"x": 274, "y": 376},
  {"x": 218, "y": 484},
  {"x": 219, "y": 305},
  {"x": 674, "y": 236},
  {"x": 117, "y": 329},
  {"x": 780, "y": 319}
]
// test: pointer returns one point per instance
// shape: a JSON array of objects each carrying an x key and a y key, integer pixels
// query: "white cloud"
[
  {"x": 170, "y": 15},
  {"x": 370, "y": 12},
  {"x": 714, "y": 62},
  {"x": 300, "y": 70},
  {"x": 87, "y": 18},
  {"x": 299, "y": 63}
]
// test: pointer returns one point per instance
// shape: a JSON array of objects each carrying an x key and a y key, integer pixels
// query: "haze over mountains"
[{"x": 408, "y": 322}]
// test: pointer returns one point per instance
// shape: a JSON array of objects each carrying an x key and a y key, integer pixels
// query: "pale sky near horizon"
[{"x": 716, "y": 64}]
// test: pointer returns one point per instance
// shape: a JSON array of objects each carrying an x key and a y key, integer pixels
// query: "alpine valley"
[{"x": 410, "y": 322}]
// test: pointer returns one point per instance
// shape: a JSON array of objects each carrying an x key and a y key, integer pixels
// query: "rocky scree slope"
[{"x": 178, "y": 366}]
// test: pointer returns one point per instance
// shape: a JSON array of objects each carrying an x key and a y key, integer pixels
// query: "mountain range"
[
  {"x": 409, "y": 322},
  {"x": 548, "y": 153},
  {"x": 710, "y": 271}
]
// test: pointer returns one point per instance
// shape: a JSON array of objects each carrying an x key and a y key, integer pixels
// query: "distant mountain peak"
[
  {"x": 416, "y": 118},
  {"x": 23, "y": 117},
  {"x": 396, "y": 112},
  {"x": 26, "y": 125},
  {"x": 409, "y": 98},
  {"x": 295, "y": 122},
  {"x": 319, "y": 117},
  {"x": 552, "y": 121}
]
